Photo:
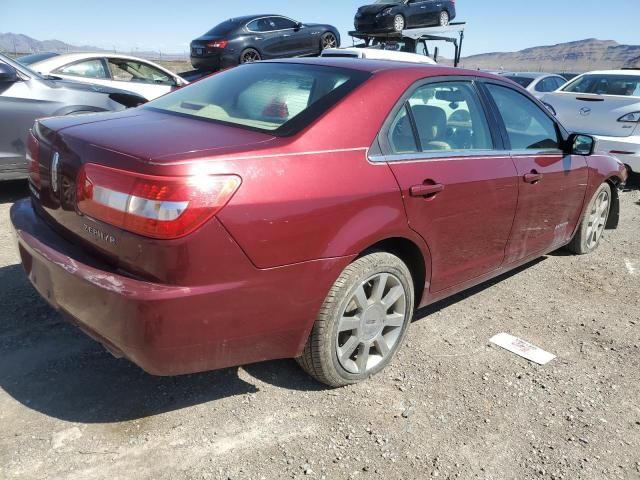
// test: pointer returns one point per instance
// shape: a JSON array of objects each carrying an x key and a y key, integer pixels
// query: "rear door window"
[
  {"x": 94, "y": 68},
  {"x": 133, "y": 71},
  {"x": 528, "y": 126},
  {"x": 440, "y": 117}
]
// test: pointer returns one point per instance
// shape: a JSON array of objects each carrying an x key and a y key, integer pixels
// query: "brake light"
[
  {"x": 152, "y": 206},
  {"x": 33, "y": 160},
  {"x": 218, "y": 44}
]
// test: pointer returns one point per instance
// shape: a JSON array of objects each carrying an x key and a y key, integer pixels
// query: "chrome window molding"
[{"x": 458, "y": 155}]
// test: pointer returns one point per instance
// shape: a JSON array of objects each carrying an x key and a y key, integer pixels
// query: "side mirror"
[
  {"x": 581, "y": 144},
  {"x": 299, "y": 25},
  {"x": 8, "y": 74}
]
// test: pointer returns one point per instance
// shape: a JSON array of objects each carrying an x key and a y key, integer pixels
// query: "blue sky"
[{"x": 169, "y": 25}]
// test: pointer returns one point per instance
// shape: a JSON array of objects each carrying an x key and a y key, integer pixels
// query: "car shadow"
[
  {"x": 13, "y": 190},
  {"x": 51, "y": 367},
  {"x": 424, "y": 312}
]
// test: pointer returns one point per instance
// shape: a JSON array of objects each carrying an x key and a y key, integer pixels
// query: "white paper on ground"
[{"x": 522, "y": 348}]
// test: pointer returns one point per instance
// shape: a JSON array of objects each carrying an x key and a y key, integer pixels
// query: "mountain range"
[{"x": 578, "y": 56}]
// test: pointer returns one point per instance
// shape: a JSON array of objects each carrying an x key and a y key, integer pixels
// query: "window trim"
[
  {"x": 269, "y": 31},
  {"x": 387, "y": 153},
  {"x": 563, "y": 135}
]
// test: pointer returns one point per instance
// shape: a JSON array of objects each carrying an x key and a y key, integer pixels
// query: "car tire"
[
  {"x": 444, "y": 19},
  {"x": 250, "y": 55},
  {"x": 399, "y": 23},
  {"x": 592, "y": 227},
  {"x": 362, "y": 322},
  {"x": 328, "y": 40}
]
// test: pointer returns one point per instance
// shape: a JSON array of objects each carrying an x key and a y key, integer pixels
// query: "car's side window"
[
  {"x": 445, "y": 116},
  {"x": 284, "y": 23},
  {"x": 88, "y": 69},
  {"x": 131, "y": 71},
  {"x": 528, "y": 126}
]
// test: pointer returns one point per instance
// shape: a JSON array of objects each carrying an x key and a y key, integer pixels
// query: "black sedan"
[
  {"x": 260, "y": 37},
  {"x": 395, "y": 16}
]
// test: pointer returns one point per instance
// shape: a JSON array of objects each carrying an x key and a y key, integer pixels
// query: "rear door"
[
  {"x": 460, "y": 191},
  {"x": 552, "y": 184}
]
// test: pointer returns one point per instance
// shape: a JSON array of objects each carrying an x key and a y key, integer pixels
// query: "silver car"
[
  {"x": 537, "y": 83},
  {"x": 26, "y": 96}
]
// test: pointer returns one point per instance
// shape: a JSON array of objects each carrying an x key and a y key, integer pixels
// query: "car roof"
[
  {"x": 630, "y": 72},
  {"x": 380, "y": 66},
  {"x": 66, "y": 58},
  {"x": 248, "y": 18},
  {"x": 531, "y": 74}
]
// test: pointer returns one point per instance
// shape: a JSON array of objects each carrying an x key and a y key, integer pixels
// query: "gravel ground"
[{"x": 450, "y": 406}]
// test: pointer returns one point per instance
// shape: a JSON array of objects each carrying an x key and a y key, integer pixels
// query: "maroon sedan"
[{"x": 300, "y": 209}]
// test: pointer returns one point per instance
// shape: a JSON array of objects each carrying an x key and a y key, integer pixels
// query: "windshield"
[
  {"x": 224, "y": 28},
  {"x": 522, "y": 81},
  {"x": 21, "y": 68},
  {"x": 34, "y": 58},
  {"x": 274, "y": 97},
  {"x": 603, "y": 84}
]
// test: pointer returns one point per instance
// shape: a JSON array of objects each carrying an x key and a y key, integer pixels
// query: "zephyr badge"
[{"x": 55, "y": 166}]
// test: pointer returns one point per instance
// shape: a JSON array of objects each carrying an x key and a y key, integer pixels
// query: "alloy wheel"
[
  {"x": 444, "y": 19},
  {"x": 329, "y": 41},
  {"x": 371, "y": 323},
  {"x": 398, "y": 23},
  {"x": 598, "y": 219},
  {"x": 250, "y": 57}
]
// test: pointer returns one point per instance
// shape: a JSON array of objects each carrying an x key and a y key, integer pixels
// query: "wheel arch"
[
  {"x": 415, "y": 258},
  {"x": 614, "y": 215}
]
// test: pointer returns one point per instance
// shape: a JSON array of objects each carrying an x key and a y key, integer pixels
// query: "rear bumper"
[
  {"x": 625, "y": 149},
  {"x": 171, "y": 330},
  {"x": 214, "y": 62},
  {"x": 13, "y": 172}
]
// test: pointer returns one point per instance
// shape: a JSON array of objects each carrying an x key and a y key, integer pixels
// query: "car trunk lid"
[{"x": 66, "y": 144}]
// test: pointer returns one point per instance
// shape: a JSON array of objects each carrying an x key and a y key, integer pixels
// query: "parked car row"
[{"x": 326, "y": 233}]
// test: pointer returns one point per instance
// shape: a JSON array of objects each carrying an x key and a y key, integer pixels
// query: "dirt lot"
[{"x": 451, "y": 406}]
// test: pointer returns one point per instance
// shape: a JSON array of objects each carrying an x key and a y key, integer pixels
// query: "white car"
[
  {"x": 538, "y": 84},
  {"x": 373, "y": 53},
  {"x": 605, "y": 104},
  {"x": 113, "y": 70}
]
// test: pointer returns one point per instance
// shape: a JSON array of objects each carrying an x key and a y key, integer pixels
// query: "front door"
[
  {"x": 460, "y": 192},
  {"x": 552, "y": 184},
  {"x": 295, "y": 40}
]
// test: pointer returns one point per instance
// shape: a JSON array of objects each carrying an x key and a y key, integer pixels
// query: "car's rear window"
[
  {"x": 224, "y": 28},
  {"x": 522, "y": 81},
  {"x": 603, "y": 84},
  {"x": 281, "y": 98}
]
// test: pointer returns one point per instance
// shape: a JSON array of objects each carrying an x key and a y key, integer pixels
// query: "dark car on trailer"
[
  {"x": 260, "y": 37},
  {"x": 394, "y": 16}
]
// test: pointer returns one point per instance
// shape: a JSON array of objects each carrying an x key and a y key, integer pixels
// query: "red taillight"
[
  {"x": 33, "y": 160},
  {"x": 156, "y": 207},
  {"x": 218, "y": 44}
]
